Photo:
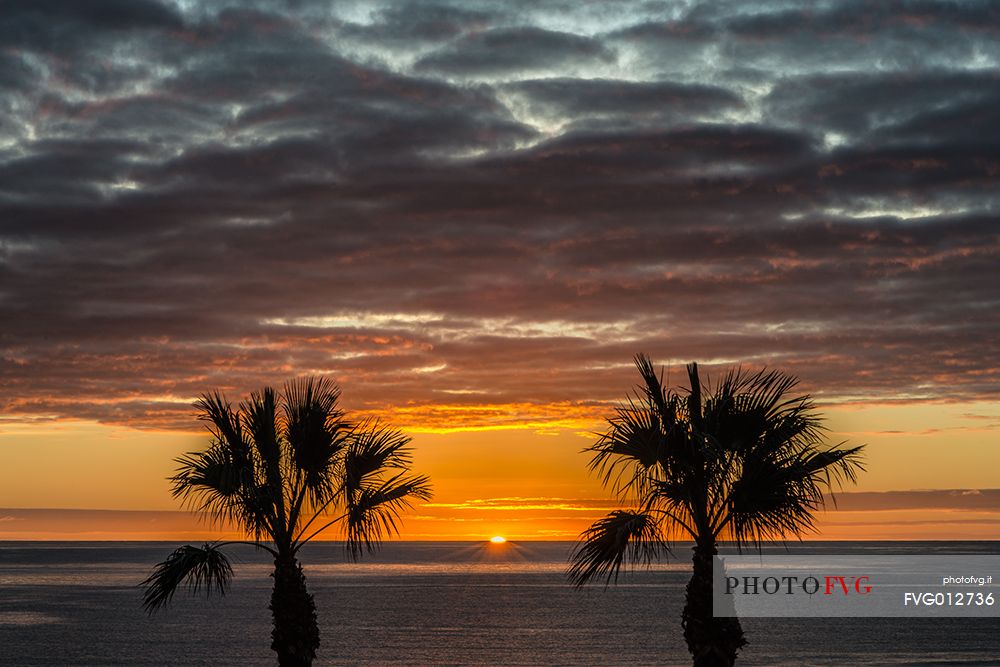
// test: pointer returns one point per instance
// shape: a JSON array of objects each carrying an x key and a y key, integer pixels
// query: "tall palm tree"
[
  {"x": 284, "y": 469},
  {"x": 743, "y": 462}
]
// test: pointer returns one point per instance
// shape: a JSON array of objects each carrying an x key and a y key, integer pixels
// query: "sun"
[{"x": 498, "y": 540}]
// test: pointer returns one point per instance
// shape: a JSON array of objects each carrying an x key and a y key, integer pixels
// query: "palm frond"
[
  {"x": 221, "y": 480},
  {"x": 673, "y": 498},
  {"x": 771, "y": 500},
  {"x": 316, "y": 433},
  {"x": 840, "y": 466},
  {"x": 205, "y": 568},
  {"x": 373, "y": 511},
  {"x": 210, "y": 482},
  {"x": 796, "y": 428},
  {"x": 631, "y": 446},
  {"x": 313, "y": 393},
  {"x": 652, "y": 388},
  {"x": 745, "y": 405},
  {"x": 259, "y": 416},
  {"x": 777, "y": 495},
  {"x": 217, "y": 484},
  {"x": 374, "y": 448},
  {"x": 641, "y": 446},
  {"x": 622, "y": 537},
  {"x": 694, "y": 400},
  {"x": 223, "y": 422}
]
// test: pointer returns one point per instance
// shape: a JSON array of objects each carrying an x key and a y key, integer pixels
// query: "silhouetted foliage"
[
  {"x": 285, "y": 468},
  {"x": 204, "y": 567},
  {"x": 742, "y": 462}
]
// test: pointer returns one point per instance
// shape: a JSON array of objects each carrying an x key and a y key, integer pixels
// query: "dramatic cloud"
[
  {"x": 474, "y": 214},
  {"x": 611, "y": 102},
  {"x": 512, "y": 51}
]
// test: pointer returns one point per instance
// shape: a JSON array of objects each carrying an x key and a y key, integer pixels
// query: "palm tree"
[
  {"x": 743, "y": 462},
  {"x": 285, "y": 468}
]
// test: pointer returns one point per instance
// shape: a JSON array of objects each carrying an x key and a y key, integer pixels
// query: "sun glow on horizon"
[{"x": 497, "y": 539}]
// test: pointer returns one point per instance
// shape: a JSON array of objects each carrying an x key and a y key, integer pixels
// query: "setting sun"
[{"x": 498, "y": 540}]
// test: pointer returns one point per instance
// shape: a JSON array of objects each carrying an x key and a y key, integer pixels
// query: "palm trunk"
[
  {"x": 713, "y": 642},
  {"x": 296, "y": 634}
]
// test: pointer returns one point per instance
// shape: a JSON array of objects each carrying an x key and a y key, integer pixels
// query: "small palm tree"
[
  {"x": 743, "y": 462},
  {"x": 285, "y": 468}
]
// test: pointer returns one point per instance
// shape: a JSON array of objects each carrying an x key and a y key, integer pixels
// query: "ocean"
[{"x": 432, "y": 603}]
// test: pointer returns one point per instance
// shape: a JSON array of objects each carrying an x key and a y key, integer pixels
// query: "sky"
[{"x": 473, "y": 215}]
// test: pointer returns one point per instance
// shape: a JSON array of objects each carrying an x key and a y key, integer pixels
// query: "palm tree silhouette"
[
  {"x": 285, "y": 468},
  {"x": 744, "y": 462}
]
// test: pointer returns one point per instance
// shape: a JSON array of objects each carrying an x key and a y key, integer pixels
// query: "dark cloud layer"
[
  {"x": 625, "y": 103},
  {"x": 482, "y": 210},
  {"x": 512, "y": 51}
]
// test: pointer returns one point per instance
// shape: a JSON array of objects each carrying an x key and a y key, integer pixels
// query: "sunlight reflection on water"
[{"x": 27, "y": 618}]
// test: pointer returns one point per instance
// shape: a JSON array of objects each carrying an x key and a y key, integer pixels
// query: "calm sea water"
[{"x": 431, "y": 604}]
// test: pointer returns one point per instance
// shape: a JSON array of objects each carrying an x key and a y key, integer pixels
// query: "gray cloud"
[
  {"x": 512, "y": 51},
  {"x": 225, "y": 196},
  {"x": 895, "y": 104},
  {"x": 403, "y": 24},
  {"x": 616, "y": 103}
]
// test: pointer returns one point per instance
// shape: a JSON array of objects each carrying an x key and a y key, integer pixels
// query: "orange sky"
[
  {"x": 474, "y": 220},
  {"x": 523, "y": 482}
]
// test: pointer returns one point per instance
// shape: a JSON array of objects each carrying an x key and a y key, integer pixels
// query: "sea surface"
[{"x": 432, "y": 603}]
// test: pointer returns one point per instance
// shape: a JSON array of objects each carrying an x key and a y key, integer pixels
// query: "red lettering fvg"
[{"x": 859, "y": 585}]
